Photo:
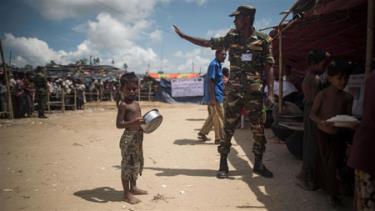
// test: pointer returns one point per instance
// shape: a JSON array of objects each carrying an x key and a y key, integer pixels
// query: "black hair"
[
  {"x": 316, "y": 56},
  {"x": 219, "y": 51},
  {"x": 339, "y": 67},
  {"x": 128, "y": 78},
  {"x": 225, "y": 71}
]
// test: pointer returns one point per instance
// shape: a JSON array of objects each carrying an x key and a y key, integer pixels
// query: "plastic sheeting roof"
[{"x": 337, "y": 26}]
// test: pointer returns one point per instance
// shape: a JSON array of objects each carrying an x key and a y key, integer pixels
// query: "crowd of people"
[{"x": 31, "y": 90}]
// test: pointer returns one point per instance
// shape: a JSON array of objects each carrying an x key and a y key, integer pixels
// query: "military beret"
[{"x": 244, "y": 10}]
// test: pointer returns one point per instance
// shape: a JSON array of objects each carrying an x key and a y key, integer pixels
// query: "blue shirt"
[{"x": 215, "y": 74}]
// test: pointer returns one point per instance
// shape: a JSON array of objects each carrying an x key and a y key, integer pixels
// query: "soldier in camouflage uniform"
[
  {"x": 41, "y": 90},
  {"x": 251, "y": 61}
]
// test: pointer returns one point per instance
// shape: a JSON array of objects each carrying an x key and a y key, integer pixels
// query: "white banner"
[{"x": 187, "y": 87}]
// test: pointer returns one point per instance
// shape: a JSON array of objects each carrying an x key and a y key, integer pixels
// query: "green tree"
[
  {"x": 28, "y": 67},
  {"x": 96, "y": 61},
  {"x": 51, "y": 63},
  {"x": 83, "y": 61}
]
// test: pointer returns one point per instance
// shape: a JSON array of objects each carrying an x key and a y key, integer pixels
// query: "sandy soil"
[{"x": 70, "y": 161}]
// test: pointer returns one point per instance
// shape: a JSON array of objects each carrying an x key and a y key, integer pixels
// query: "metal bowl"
[{"x": 152, "y": 120}]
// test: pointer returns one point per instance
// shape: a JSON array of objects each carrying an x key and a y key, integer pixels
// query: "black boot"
[
  {"x": 223, "y": 170},
  {"x": 261, "y": 169}
]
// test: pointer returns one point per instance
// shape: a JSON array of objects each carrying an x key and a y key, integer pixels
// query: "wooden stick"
[
  {"x": 280, "y": 73},
  {"x": 10, "y": 104},
  {"x": 75, "y": 100},
  {"x": 63, "y": 100},
  {"x": 370, "y": 37},
  {"x": 48, "y": 101},
  {"x": 279, "y": 35}
]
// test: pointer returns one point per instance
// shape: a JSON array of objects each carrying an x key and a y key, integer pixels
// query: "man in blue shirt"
[{"x": 214, "y": 97}]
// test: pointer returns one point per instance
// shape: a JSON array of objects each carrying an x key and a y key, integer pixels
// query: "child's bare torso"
[
  {"x": 132, "y": 111},
  {"x": 334, "y": 102}
]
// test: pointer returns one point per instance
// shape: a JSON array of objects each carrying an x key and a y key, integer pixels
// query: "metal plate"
[{"x": 152, "y": 119}]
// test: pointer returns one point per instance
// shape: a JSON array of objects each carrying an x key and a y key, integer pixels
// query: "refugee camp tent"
[{"x": 337, "y": 26}]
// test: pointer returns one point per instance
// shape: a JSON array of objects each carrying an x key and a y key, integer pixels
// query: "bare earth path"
[{"x": 71, "y": 161}]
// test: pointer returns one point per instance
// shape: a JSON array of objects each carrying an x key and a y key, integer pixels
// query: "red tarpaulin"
[{"x": 337, "y": 26}]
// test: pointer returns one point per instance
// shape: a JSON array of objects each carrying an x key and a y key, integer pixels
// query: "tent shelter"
[{"x": 337, "y": 26}]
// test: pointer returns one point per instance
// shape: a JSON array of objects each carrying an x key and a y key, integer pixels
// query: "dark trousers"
[
  {"x": 310, "y": 143},
  {"x": 42, "y": 101},
  {"x": 329, "y": 161}
]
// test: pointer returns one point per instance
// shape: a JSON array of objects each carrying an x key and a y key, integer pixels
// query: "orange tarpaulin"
[{"x": 172, "y": 75}]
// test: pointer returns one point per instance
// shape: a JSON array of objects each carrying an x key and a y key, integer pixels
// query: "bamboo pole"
[
  {"x": 280, "y": 72},
  {"x": 370, "y": 37},
  {"x": 63, "y": 101},
  {"x": 6, "y": 74},
  {"x": 279, "y": 36},
  {"x": 149, "y": 92},
  {"x": 139, "y": 90},
  {"x": 75, "y": 100},
  {"x": 49, "y": 101}
]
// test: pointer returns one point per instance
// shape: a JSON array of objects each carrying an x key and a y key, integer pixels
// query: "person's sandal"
[{"x": 202, "y": 137}]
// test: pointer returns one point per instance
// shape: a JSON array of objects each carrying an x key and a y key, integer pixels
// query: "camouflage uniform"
[
  {"x": 41, "y": 91},
  {"x": 245, "y": 87},
  {"x": 132, "y": 154}
]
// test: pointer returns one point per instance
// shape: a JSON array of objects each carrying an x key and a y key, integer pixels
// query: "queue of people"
[{"x": 31, "y": 90}]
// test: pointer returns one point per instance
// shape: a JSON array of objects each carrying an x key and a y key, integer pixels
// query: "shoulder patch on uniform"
[
  {"x": 233, "y": 32},
  {"x": 263, "y": 36}
]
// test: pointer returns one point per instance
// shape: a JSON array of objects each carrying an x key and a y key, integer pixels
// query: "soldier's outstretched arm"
[{"x": 195, "y": 40}]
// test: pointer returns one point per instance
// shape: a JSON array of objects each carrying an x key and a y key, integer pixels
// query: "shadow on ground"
[
  {"x": 274, "y": 193},
  {"x": 192, "y": 142},
  {"x": 101, "y": 195},
  {"x": 116, "y": 167},
  {"x": 195, "y": 120},
  {"x": 170, "y": 172},
  {"x": 242, "y": 138}
]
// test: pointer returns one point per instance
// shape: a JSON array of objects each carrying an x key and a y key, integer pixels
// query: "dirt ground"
[{"x": 70, "y": 161}]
